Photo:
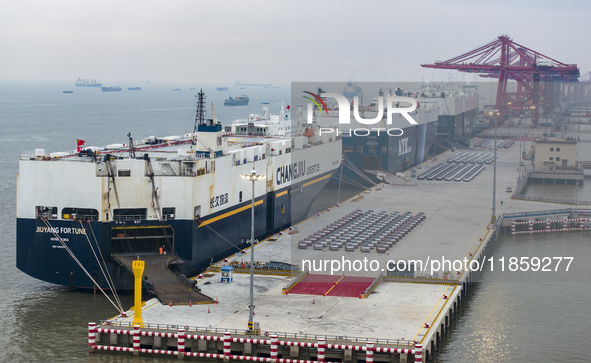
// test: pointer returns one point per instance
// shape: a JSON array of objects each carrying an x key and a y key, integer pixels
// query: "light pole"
[
  {"x": 494, "y": 115},
  {"x": 532, "y": 108},
  {"x": 253, "y": 177},
  {"x": 509, "y": 123}
]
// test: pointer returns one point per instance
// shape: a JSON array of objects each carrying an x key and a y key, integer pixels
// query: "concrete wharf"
[{"x": 398, "y": 320}]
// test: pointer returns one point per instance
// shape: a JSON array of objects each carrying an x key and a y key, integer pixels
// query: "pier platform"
[{"x": 366, "y": 314}]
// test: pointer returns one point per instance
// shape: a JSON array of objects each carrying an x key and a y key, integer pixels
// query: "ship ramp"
[{"x": 168, "y": 287}]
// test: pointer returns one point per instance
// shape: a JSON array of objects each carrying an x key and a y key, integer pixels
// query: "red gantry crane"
[{"x": 540, "y": 79}]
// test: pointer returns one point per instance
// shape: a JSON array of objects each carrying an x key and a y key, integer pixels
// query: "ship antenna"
[
  {"x": 215, "y": 120},
  {"x": 200, "y": 115}
]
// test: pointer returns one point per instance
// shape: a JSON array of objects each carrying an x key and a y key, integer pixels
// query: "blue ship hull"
[{"x": 196, "y": 242}]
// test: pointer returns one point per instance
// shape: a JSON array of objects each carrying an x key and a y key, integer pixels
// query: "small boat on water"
[
  {"x": 134, "y": 88},
  {"x": 222, "y": 88},
  {"x": 176, "y": 89},
  {"x": 67, "y": 91}
]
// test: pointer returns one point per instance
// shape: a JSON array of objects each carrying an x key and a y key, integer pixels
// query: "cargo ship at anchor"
[
  {"x": 87, "y": 83},
  {"x": 77, "y": 211},
  {"x": 237, "y": 101}
]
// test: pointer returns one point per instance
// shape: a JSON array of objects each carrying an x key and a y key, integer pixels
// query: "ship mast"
[
  {"x": 131, "y": 148},
  {"x": 200, "y": 114}
]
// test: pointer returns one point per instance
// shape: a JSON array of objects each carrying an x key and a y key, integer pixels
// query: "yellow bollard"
[{"x": 138, "y": 271}]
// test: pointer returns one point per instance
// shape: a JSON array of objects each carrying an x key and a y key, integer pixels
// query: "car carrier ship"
[
  {"x": 77, "y": 211},
  {"x": 444, "y": 112}
]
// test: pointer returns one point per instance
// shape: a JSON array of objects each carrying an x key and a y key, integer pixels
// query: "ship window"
[
  {"x": 168, "y": 213},
  {"x": 359, "y": 149},
  {"x": 287, "y": 150},
  {"x": 129, "y": 214},
  {"x": 123, "y": 173},
  {"x": 80, "y": 213},
  {"x": 384, "y": 149},
  {"x": 557, "y": 149},
  {"x": 348, "y": 148},
  {"x": 197, "y": 212},
  {"x": 551, "y": 149},
  {"x": 240, "y": 197},
  {"x": 551, "y": 158},
  {"x": 46, "y": 212},
  {"x": 558, "y": 158}
]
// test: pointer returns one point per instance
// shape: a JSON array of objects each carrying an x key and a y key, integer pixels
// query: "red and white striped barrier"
[
  {"x": 227, "y": 339},
  {"x": 206, "y": 337},
  {"x": 394, "y": 350},
  {"x": 273, "y": 348},
  {"x": 120, "y": 331},
  {"x": 249, "y": 340},
  {"x": 418, "y": 353},
  {"x": 136, "y": 340},
  {"x": 198, "y": 355},
  {"x": 158, "y": 351},
  {"x": 321, "y": 345},
  {"x": 290, "y": 343},
  {"x": 227, "y": 345},
  {"x": 91, "y": 335},
  {"x": 181, "y": 342},
  {"x": 548, "y": 222},
  {"x": 113, "y": 349},
  {"x": 369, "y": 352}
]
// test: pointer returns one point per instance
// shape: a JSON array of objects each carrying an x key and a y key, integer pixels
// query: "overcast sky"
[{"x": 273, "y": 41}]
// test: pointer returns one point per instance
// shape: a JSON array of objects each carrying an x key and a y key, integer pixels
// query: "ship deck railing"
[
  {"x": 139, "y": 147},
  {"x": 284, "y": 335}
]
